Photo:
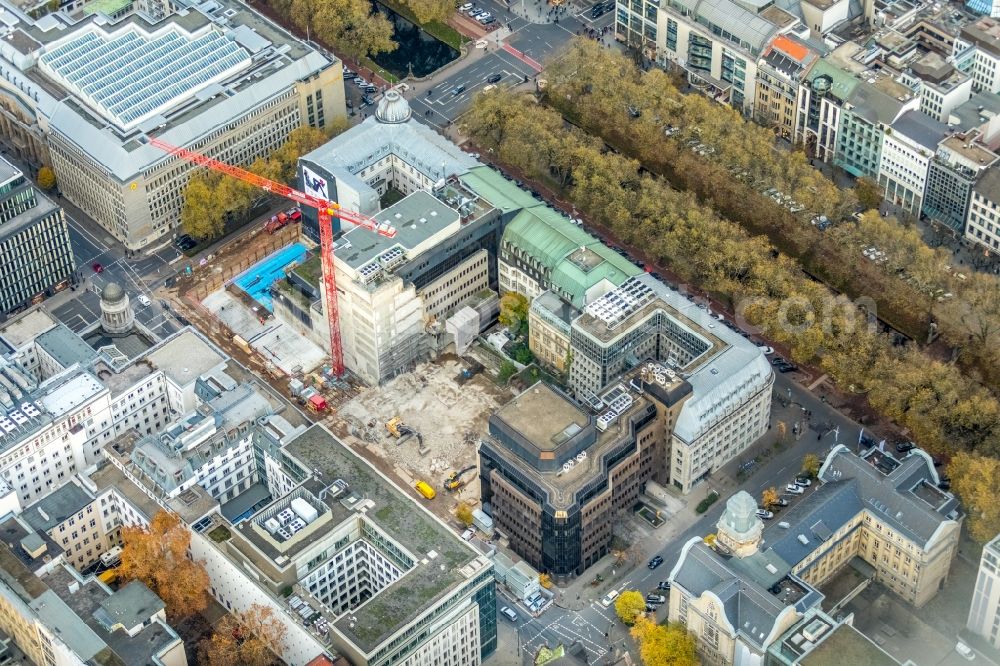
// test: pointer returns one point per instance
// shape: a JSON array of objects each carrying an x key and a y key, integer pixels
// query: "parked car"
[
  {"x": 905, "y": 447},
  {"x": 663, "y": 585},
  {"x": 509, "y": 614},
  {"x": 655, "y": 562},
  {"x": 803, "y": 481},
  {"x": 766, "y": 349},
  {"x": 458, "y": 91},
  {"x": 655, "y": 598},
  {"x": 965, "y": 652},
  {"x": 777, "y": 360},
  {"x": 794, "y": 489},
  {"x": 764, "y": 514},
  {"x": 466, "y": 7},
  {"x": 650, "y": 608},
  {"x": 494, "y": 78},
  {"x": 782, "y": 502},
  {"x": 370, "y": 89},
  {"x": 787, "y": 367}
]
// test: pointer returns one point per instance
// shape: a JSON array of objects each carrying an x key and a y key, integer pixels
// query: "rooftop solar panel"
[{"x": 132, "y": 75}]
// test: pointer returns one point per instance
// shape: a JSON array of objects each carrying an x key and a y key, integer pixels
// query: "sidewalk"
[{"x": 580, "y": 592}]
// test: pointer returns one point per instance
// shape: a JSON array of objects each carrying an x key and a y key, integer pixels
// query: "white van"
[
  {"x": 509, "y": 614},
  {"x": 609, "y": 598}
]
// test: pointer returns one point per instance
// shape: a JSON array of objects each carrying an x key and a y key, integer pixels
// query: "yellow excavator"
[
  {"x": 454, "y": 481},
  {"x": 403, "y": 432}
]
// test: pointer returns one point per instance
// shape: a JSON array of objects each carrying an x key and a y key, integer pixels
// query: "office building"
[
  {"x": 741, "y": 595},
  {"x": 984, "y": 613},
  {"x": 960, "y": 160},
  {"x": 397, "y": 295},
  {"x": 820, "y": 640},
  {"x": 730, "y": 405},
  {"x": 34, "y": 243},
  {"x": 982, "y": 226},
  {"x": 977, "y": 53},
  {"x": 348, "y": 562},
  {"x": 780, "y": 70},
  {"x": 939, "y": 84},
  {"x": 215, "y": 77},
  {"x": 61, "y": 400},
  {"x": 716, "y": 44},
  {"x": 76, "y": 522},
  {"x": 56, "y": 616},
  {"x": 907, "y": 151},
  {"x": 558, "y": 478}
]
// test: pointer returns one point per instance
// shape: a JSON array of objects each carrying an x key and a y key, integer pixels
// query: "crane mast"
[{"x": 326, "y": 211}]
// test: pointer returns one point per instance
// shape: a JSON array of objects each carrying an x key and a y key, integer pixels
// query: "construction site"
[{"x": 425, "y": 426}]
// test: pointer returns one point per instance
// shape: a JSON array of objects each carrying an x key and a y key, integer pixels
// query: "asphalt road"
[{"x": 443, "y": 105}]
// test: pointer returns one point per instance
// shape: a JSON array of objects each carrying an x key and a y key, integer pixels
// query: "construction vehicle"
[
  {"x": 425, "y": 489},
  {"x": 316, "y": 403},
  {"x": 108, "y": 577},
  {"x": 392, "y": 425},
  {"x": 454, "y": 481},
  {"x": 326, "y": 211}
]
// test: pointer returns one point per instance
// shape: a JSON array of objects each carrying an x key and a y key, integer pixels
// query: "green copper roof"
[
  {"x": 842, "y": 83},
  {"x": 496, "y": 189},
  {"x": 574, "y": 260}
]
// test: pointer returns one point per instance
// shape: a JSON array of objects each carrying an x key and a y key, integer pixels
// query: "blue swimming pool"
[{"x": 257, "y": 280}]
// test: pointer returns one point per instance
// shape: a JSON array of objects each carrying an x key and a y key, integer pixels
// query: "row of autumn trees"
[
  {"x": 158, "y": 557},
  {"x": 211, "y": 198},
  {"x": 943, "y": 409},
  {"x": 594, "y": 88},
  {"x": 659, "y": 645}
]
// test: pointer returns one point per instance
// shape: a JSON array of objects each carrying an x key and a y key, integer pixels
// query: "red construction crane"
[{"x": 327, "y": 210}]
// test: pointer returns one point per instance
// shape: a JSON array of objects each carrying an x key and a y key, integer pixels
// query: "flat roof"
[
  {"x": 185, "y": 356},
  {"x": 543, "y": 417},
  {"x": 103, "y": 106},
  {"x": 71, "y": 393},
  {"x": 27, "y": 326},
  {"x": 973, "y": 151},
  {"x": 443, "y": 559},
  {"x": 417, "y": 219},
  {"x": 847, "y": 645},
  {"x": 131, "y": 74}
]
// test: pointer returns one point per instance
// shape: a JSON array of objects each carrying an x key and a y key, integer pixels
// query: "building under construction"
[{"x": 396, "y": 295}]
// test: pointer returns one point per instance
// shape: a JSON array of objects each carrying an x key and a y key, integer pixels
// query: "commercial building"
[
  {"x": 76, "y": 522},
  {"x": 820, "y": 640},
  {"x": 984, "y": 613},
  {"x": 731, "y": 380},
  {"x": 977, "y": 53},
  {"x": 348, "y": 562},
  {"x": 780, "y": 70},
  {"x": 716, "y": 43},
  {"x": 56, "y": 616},
  {"x": 34, "y": 243},
  {"x": 558, "y": 478},
  {"x": 595, "y": 316},
  {"x": 213, "y": 76},
  {"x": 61, "y": 400},
  {"x": 939, "y": 84},
  {"x": 960, "y": 160},
  {"x": 543, "y": 250},
  {"x": 398, "y": 296},
  {"x": 740, "y": 596},
  {"x": 907, "y": 151},
  {"x": 982, "y": 226}
]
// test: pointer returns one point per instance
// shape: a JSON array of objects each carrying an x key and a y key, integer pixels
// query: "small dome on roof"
[
  {"x": 112, "y": 293},
  {"x": 741, "y": 513},
  {"x": 392, "y": 108}
]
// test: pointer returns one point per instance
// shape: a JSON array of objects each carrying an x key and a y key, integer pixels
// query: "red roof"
[{"x": 790, "y": 48}]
